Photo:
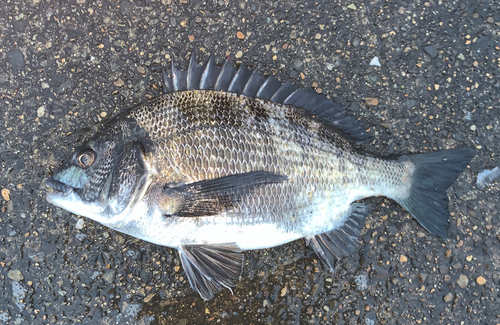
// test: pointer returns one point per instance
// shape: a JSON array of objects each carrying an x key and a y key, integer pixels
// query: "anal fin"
[
  {"x": 210, "y": 267},
  {"x": 335, "y": 244}
]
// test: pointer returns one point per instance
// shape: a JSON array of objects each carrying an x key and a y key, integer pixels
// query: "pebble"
[
  {"x": 431, "y": 51},
  {"x": 119, "y": 82},
  {"x": 293, "y": 34},
  {"x": 119, "y": 239},
  {"x": 15, "y": 275},
  {"x": 240, "y": 35},
  {"x": 422, "y": 277},
  {"x": 473, "y": 128},
  {"x": 79, "y": 224},
  {"x": 16, "y": 58},
  {"x": 6, "y": 194},
  {"x": 448, "y": 297},
  {"x": 141, "y": 70},
  {"x": 460, "y": 56},
  {"x": 40, "y": 112},
  {"x": 462, "y": 281},
  {"x": 480, "y": 280},
  {"x": 239, "y": 54},
  {"x": 109, "y": 276},
  {"x": 352, "y": 6},
  {"x": 361, "y": 282},
  {"x": 371, "y": 101},
  {"x": 19, "y": 293},
  {"x": 483, "y": 178},
  {"x": 375, "y": 62},
  {"x": 133, "y": 310}
]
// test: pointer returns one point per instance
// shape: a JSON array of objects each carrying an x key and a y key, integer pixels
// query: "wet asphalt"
[{"x": 68, "y": 66}]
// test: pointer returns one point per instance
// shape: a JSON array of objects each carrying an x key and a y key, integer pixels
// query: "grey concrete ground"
[{"x": 67, "y": 66}]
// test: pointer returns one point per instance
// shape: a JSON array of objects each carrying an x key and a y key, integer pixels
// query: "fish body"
[{"x": 228, "y": 161}]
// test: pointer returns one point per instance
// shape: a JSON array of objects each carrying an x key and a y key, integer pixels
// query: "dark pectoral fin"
[
  {"x": 333, "y": 245},
  {"x": 208, "y": 268},
  {"x": 210, "y": 197}
]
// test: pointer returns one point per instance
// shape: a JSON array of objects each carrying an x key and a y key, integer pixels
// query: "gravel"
[{"x": 64, "y": 64}]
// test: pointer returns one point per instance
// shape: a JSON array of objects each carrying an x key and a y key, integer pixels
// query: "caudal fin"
[{"x": 434, "y": 173}]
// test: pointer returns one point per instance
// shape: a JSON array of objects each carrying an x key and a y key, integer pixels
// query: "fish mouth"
[{"x": 60, "y": 187}]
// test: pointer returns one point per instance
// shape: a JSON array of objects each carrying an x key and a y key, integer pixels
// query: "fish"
[{"x": 227, "y": 160}]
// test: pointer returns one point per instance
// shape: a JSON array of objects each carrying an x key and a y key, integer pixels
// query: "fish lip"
[{"x": 64, "y": 189}]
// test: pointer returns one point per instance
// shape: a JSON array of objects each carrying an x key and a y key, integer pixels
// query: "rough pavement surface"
[{"x": 67, "y": 66}]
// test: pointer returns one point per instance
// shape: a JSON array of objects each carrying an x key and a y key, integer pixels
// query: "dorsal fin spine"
[{"x": 250, "y": 83}]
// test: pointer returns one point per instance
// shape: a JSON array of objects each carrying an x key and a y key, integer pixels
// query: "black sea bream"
[{"x": 227, "y": 160}]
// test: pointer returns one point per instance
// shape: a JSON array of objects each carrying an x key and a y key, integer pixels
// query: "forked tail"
[{"x": 434, "y": 173}]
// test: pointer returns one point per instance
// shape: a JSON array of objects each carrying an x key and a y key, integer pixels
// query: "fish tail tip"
[{"x": 434, "y": 173}]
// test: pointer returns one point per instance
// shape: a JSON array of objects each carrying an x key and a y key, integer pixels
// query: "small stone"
[
  {"x": 119, "y": 239},
  {"x": 317, "y": 36},
  {"x": 149, "y": 297},
  {"x": 183, "y": 23},
  {"x": 401, "y": 10},
  {"x": 15, "y": 275},
  {"x": 293, "y": 34},
  {"x": 473, "y": 128},
  {"x": 487, "y": 176},
  {"x": 240, "y": 35},
  {"x": 109, "y": 276},
  {"x": 239, "y": 54},
  {"x": 462, "y": 281},
  {"x": 375, "y": 62},
  {"x": 6, "y": 194},
  {"x": 352, "y": 6},
  {"x": 40, "y": 112},
  {"x": 460, "y": 56},
  {"x": 430, "y": 50},
  {"x": 420, "y": 234},
  {"x": 141, "y": 70},
  {"x": 183, "y": 321},
  {"x": 490, "y": 20},
  {"x": 448, "y": 297},
  {"x": 371, "y": 101},
  {"x": 79, "y": 224},
  {"x": 480, "y": 280},
  {"x": 403, "y": 259},
  {"x": 16, "y": 58},
  {"x": 119, "y": 82}
]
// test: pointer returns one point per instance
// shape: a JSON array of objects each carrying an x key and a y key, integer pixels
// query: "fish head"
[{"x": 101, "y": 179}]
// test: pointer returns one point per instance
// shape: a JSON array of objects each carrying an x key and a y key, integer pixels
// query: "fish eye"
[{"x": 85, "y": 159}]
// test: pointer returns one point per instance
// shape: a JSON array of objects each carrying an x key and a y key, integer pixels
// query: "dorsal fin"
[{"x": 251, "y": 84}]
